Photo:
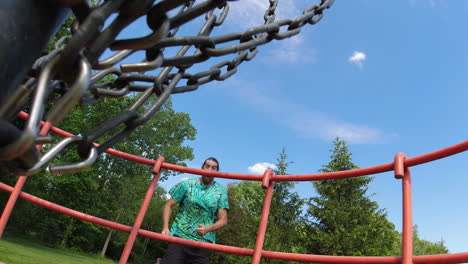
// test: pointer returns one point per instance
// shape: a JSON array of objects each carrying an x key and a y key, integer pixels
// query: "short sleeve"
[
  {"x": 178, "y": 191},
  {"x": 223, "y": 201}
]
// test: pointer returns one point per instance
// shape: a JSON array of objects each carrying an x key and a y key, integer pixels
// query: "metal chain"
[{"x": 90, "y": 39}]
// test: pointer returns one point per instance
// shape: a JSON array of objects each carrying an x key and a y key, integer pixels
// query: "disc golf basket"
[{"x": 43, "y": 89}]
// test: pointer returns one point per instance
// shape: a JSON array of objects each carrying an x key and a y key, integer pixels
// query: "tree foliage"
[
  {"x": 243, "y": 219},
  {"x": 424, "y": 247},
  {"x": 344, "y": 220},
  {"x": 284, "y": 222},
  {"x": 421, "y": 246},
  {"x": 112, "y": 188},
  {"x": 341, "y": 220},
  {"x": 286, "y": 219}
]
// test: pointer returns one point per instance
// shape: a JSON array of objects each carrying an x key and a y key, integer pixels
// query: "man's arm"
[
  {"x": 167, "y": 215},
  {"x": 220, "y": 222}
]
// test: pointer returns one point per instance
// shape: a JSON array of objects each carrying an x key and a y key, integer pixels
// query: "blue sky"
[{"x": 386, "y": 76}]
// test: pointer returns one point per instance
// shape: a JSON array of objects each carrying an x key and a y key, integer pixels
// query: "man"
[{"x": 203, "y": 210}]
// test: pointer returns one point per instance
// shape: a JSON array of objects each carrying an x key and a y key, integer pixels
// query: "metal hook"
[
  {"x": 143, "y": 66},
  {"x": 27, "y": 137},
  {"x": 75, "y": 167},
  {"x": 73, "y": 96},
  {"x": 115, "y": 58},
  {"x": 113, "y": 92},
  {"x": 46, "y": 158}
]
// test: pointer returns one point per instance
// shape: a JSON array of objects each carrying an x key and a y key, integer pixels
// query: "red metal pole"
[
  {"x": 442, "y": 258},
  {"x": 403, "y": 172},
  {"x": 11, "y": 203},
  {"x": 266, "y": 178},
  {"x": 18, "y": 187},
  {"x": 263, "y": 224},
  {"x": 141, "y": 214},
  {"x": 407, "y": 247}
]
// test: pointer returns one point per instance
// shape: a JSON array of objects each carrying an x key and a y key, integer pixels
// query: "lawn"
[{"x": 22, "y": 251}]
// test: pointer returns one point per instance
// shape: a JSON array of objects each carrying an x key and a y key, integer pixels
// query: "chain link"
[{"x": 90, "y": 39}]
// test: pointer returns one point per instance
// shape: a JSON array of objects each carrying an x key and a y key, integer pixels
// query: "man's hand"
[
  {"x": 202, "y": 230},
  {"x": 167, "y": 211},
  {"x": 165, "y": 231}
]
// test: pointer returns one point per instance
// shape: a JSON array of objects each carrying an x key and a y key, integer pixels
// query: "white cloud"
[
  {"x": 291, "y": 50},
  {"x": 246, "y": 14},
  {"x": 249, "y": 13},
  {"x": 305, "y": 121},
  {"x": 358, "y": 58},
  {"x": 311, "y": 124},
  {"x": 259, "y": 168}
]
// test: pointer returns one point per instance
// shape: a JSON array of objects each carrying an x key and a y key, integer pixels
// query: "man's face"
[{"x": 209, "y": 165}]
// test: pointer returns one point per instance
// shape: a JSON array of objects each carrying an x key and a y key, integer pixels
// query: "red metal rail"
[
  {"x": 401, "y": 166},
  {"x": 19, "y": 186}
]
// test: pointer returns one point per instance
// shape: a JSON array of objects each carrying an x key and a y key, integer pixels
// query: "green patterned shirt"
[{"x": 198, "y": 204}]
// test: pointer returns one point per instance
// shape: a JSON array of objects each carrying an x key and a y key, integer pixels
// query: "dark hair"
[{"x": 213, "y": 159}]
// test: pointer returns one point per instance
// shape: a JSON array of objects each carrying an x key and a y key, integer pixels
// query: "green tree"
[
  {"x": 244, "y": 213},
  {"x": 286, "y": 218},
  {"x": 112, "y": 188},
  {"x": 284, "y": 223},
  {"x": 421, "y": 246},
  {"x": 344, "y": 220}
]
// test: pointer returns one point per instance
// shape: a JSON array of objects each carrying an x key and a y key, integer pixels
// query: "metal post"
[
  {"x": 403, "y": 172},
  {"x": 407, "y": 247},
  {"x": 257, "y": 256},
  {"x": 141, "y": 214}
]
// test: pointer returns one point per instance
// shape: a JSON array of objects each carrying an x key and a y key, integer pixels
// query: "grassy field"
[{"x": 22, "y": 251}]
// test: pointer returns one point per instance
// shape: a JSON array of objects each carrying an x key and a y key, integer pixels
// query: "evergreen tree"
[
  {"x": 284, "y": 222},
  {"x": 286, "y": 218},
  {"x": 344, "y": 220}
]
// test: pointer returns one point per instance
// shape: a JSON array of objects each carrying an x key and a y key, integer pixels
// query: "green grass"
[{"x": 22, "y": 251}]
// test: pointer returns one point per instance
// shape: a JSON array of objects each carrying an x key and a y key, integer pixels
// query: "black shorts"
[{"x": 182, "y": 254}]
